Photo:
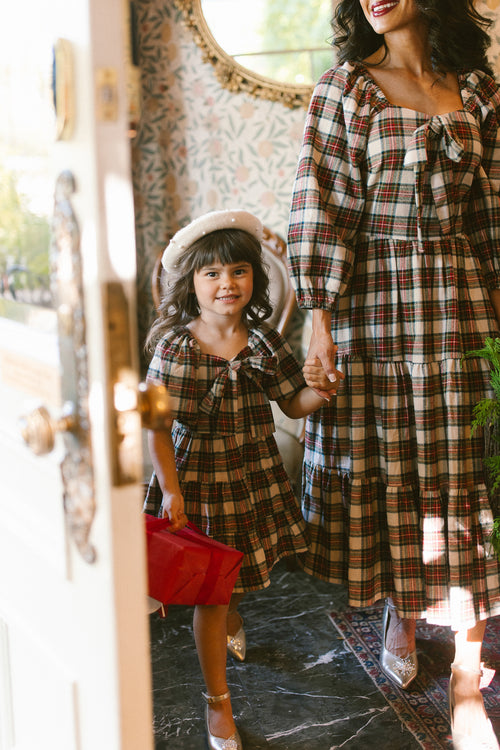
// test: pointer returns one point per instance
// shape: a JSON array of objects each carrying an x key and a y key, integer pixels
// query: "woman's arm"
[
  {"x": 328, "y": 196},
  {"x": 162, "y": 453},
  {"x": 495, "y": 302},
  {"x": 321, "y": 346}
]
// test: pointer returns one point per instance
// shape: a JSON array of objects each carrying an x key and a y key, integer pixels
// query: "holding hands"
[
  {"x": 316, "y": 378},
  {"x": 319, "y": 369}
]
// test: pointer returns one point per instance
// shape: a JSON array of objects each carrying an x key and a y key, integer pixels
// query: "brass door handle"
[
  {"x": 149, "y": 400},
  {"x": 39, "y": 430},
  {"x": 153, "y": 404}
]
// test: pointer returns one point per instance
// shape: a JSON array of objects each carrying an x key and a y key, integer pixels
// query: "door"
[{"x": 74, "y": 656}]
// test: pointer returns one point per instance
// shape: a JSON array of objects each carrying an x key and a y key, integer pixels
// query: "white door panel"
[{"x": 74, "y": 650}]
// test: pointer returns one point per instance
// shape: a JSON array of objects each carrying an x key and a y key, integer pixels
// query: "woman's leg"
[
  {"x": 468, "y": 707},
  {"x": 209, "y": 624},
  {"x": 400, "y": 639}
]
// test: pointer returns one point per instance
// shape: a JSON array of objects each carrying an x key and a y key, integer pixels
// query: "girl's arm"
[
  {"x": 162, "y": 453},
  {"x": 302, "y": 403}
]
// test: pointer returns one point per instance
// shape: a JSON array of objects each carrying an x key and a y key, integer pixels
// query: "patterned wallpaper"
[{"x": 200, "y": 147}]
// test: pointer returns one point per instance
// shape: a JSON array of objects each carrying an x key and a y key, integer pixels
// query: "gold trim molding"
[{"x": 230, "y": 74}]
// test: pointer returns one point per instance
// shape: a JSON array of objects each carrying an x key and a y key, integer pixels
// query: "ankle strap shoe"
[{"x": 220, "y": 743}]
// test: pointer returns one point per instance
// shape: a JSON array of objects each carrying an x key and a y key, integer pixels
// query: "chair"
[{"x": 281, "y": 292}]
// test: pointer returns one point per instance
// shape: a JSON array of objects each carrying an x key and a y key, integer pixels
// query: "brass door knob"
[
  {"x": 153, "y": 404},
  {"x": 39, "y": 430}
]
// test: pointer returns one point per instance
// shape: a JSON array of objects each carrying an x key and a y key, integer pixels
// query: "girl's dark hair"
[
  {"x": 179, "y": 305},
  {"x": 457, "y": 34}
]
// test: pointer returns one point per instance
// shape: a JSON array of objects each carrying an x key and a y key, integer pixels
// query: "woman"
[{"x": 394, "y": 245}]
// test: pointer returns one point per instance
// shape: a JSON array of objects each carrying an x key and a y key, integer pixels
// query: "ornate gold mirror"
[{"x": 272, "y": 49}]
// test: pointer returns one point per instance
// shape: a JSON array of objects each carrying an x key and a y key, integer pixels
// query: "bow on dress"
[
  {"x": 224, "y": 394},
  {"x": 431, "y": 146},
  {"x": 433, "y": 137}
]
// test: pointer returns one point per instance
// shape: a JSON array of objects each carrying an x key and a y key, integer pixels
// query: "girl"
[{"x": 220, "y": 465}]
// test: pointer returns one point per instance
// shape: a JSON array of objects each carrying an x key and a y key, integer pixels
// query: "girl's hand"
[
  {"x": 316, "y": 377},
  {"x": 172, "y": 507}
]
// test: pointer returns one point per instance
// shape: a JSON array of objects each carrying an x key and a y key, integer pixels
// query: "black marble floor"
[{"x": 300, "y": 688}]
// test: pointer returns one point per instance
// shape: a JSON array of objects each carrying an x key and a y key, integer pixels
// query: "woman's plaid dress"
[
  {"x": 395, "y": 227},
  {"x": 234, "y": 484}
]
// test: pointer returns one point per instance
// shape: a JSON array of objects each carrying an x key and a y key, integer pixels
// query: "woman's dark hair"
[
  {"x": 179, "y": 305},
  {"x": 457, "y": 34}
]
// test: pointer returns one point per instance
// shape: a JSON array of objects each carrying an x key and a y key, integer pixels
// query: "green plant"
[{"x": 487, "y": 415}]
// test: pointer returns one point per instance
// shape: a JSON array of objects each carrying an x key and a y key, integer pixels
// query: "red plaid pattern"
[
  {"x": 395, "y": 228},
  {"x": 231, "y": 473}
]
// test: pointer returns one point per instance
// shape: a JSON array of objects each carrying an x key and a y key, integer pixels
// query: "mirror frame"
[{"x": 230, "y": 74}]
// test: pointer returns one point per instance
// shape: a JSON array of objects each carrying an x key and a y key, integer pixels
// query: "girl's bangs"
[{"x": 222, "y": 248}]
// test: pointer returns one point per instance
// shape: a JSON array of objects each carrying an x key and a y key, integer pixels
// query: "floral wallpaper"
[{"x": 201, "y": 147}]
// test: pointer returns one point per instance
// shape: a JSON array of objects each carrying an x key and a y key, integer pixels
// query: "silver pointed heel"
[
  {"x": 400, "y": 671},
  {"x": 237, "y": 644},
  {"x": 219, "y": 743},
  {"x": 485, "y": 739}
]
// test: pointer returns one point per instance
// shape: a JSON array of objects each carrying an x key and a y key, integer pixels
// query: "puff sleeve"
[
  {"x": 174, "y": 365},
  {"x": 482, "y": 220},
  {"x": 328, "y": 195}
]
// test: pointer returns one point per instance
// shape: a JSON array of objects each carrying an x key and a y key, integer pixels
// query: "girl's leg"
[
  {"x": 467, "y": 702},
  {"x": 234, "y": 619},
  {"x": 236, "y": 638},
  {"x": 209, "y": 624}
]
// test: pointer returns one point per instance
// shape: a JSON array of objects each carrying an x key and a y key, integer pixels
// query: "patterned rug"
[{"x": 423, "y": 708}]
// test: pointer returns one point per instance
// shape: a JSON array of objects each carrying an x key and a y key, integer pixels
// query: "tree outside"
[
  {"x": 304, "y": 29},
  {"x": 24, "y": 245}
]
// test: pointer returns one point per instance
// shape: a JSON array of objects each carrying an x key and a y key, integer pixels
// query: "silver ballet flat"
[
  {"x": 485, "y": 738},
  {"x": 237, "y": 644},
  {"x": 401, "y": 671},
  {"x": 219, "y": 743}
]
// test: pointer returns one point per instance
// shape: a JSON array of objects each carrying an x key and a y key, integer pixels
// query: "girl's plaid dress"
[
  {"x": 395, "y": 227},
  {"x": 234, "y": 484}
]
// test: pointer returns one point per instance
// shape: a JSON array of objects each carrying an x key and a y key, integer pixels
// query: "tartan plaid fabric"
[
  {"x": 395, "y": 228},
  {"x": 235, "y": 487}
]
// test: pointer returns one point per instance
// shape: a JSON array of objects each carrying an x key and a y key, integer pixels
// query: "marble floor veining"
[{"x": 300, "y": 687}]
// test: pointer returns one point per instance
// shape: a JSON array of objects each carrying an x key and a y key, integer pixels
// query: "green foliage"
[
  {"x": 492, "y": 463},
  {"x": 490, "y": 351},
  {"x": 487, "y": 414},
  {"x": 298, "y": 25},
  {"x": 495, "y": 536},
  {"x": 24, "y": 236}
]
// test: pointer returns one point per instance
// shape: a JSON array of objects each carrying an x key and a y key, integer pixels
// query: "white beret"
[{"x": 233, "y": 218}]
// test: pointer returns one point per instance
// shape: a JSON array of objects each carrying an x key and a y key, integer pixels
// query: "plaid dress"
[
  {"x": 231, "y": 474},
  {"x": 395, "y": 228}
]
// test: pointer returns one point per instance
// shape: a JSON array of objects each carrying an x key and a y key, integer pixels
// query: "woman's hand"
[
  {"x": 316, "y": 377},
  {"x": 172, "y": 507},
  {"x": 322, "y": 350}
]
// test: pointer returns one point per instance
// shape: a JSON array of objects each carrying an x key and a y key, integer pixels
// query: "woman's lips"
[{"x": 380, "y": 9}]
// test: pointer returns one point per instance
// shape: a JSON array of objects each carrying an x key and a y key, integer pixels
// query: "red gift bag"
[{"x": 188, "y": 567}]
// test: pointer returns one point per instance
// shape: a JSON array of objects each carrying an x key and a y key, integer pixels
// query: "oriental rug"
[{"x": 423, "y": 707}]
